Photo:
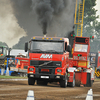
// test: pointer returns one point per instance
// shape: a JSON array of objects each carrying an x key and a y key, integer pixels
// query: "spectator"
[
  {"x": 20, "y": 55},
  {"x": 10, "y": 63}
]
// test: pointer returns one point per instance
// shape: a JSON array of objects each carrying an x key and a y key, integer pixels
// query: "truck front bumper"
[{"x": 47, "y": 77}]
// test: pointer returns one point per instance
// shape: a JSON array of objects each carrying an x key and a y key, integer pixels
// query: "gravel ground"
[{"x": 18, "y": 90}]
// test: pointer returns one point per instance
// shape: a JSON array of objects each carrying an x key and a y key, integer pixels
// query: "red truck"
[
  {"x": 84, "y": 75},
  {"x": 49, "y": 61},
  {"x": 21, "y": 64}
]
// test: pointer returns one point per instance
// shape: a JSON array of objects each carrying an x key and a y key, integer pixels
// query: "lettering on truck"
[
  {"x": 80, "y": 58},
  {"x": 46, "y": 56}
]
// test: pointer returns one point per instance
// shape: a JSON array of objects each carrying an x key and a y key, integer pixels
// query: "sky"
[{"x": 98, "y": 8}]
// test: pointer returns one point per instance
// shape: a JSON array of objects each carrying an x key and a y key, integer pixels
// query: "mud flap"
[
  {"x": 77, "y": 79},
  {"x": 89, "y": 82}
]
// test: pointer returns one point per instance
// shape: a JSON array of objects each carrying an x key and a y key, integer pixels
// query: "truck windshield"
[
  {"x": 5, "y": 51},
  {"x": 1, "y": 50},
  {"x": 47, "y": 47},
  {"x": 81, "y": 48}
]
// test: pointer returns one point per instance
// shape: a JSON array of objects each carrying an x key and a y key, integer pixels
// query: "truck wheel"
[
  {"x": 63, "y": 83},
  {"x": 31, "y": 81},
  {"x": 72, "y": 84}
]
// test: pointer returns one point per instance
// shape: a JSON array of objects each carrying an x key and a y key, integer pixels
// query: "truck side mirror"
[
  {"x": 26, "y": 46},
  {"x": 69, "y": 48}
]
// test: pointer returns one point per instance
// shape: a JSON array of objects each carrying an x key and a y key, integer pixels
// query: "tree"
[
  {"x": 3, "y": 44},
  {"x": 21, "y": 43},
  {"x": 91, "y": 25}
]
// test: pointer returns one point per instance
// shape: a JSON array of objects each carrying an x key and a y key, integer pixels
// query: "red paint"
[
  {"x": 78, "y": 76},
  {"x": 65, "y": 60},
  {"x": 44, "y": 70},
  {"x": 23, "y": 62},
  {"x": 84, "y": 78},
  {"x": 71, "y": 77},
  {"x": 84, "y": 55},
  {"x": 98, "y": 62}
]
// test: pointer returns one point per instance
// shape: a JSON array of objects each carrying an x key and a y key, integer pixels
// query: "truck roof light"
[
  {"x": 47, "y": 38},
  {"x": 60, "y": 38},
  {"x": 42, "y": 38},
  {"x": 91, "y": 37},
  {"x": 51, "y": 38},
  {"x": 33, "y": 37},
  {"x": 79, "y": 55},
  {"x": 73, "y": 35}
]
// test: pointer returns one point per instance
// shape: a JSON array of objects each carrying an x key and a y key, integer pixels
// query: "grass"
[
  {"x": 11, "y": 77},
  {"x": 97, "y": 79}
]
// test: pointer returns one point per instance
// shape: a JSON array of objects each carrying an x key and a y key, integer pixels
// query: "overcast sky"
[{"x": 98, "y": 8}]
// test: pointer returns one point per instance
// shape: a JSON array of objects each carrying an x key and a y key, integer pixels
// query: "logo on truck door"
[
  {"x": 79, "y": 58},
  {"x": 46, "y": 56}
]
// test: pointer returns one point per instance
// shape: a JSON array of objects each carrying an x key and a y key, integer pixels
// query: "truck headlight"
[
  {"x": 59, "y": 70},
  {"x": 31, "y": 69}
]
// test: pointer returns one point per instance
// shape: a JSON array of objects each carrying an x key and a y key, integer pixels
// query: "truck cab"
[
  {"x": 3, "y": 54},
  {"x": 81, "y": 50},
  {"x": 48, "y": 60},
  {"x": 84, "y": 74}
]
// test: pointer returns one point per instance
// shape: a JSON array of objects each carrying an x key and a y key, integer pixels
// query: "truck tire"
[
  {"x": 72, "y": 84},
  {"x": 31, "y": 81},
  {"x": 63, "y": 83}
]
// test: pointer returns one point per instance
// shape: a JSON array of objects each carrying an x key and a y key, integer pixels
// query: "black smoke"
[
  {"x": 38, "y": 17},
  {"x": 47, "y": 9}
]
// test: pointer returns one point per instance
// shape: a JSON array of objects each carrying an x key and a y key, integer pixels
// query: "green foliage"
[
  {"x": 89, "y": 12},
  {"x": 11, "y": 77},
  {"x": 3, "y": 44},
  {"x": 21, "y": 43},
  {"x": 91, "y": 25}
]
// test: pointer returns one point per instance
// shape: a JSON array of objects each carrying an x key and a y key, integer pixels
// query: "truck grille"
[
  {"x": 25, "y": 67},
  {"x": 45, "y": 70},
  {"x": 45, "y": 63}
]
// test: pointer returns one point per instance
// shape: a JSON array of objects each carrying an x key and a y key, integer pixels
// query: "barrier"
[
  {"x": 97, "y": 74},
  {"x": 89, "y": 95},
  {"x": 7, "y": 72},
  {"x": 30, "y": 95},
  {"x": 2, "y": 71}
]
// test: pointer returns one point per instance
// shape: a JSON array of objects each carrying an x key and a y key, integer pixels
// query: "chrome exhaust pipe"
[{"x": 44, "y": 35}]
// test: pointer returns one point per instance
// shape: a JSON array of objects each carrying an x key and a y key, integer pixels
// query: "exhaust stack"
[{"x": 44, "y": 35}]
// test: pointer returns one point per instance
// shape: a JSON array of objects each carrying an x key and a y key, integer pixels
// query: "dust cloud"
[
  {"x": 20, "y": 20},
  {"x": 10, "y": 31}
]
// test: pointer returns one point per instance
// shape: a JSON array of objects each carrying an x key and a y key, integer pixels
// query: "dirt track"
[{"x": 17, "y": 90}]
